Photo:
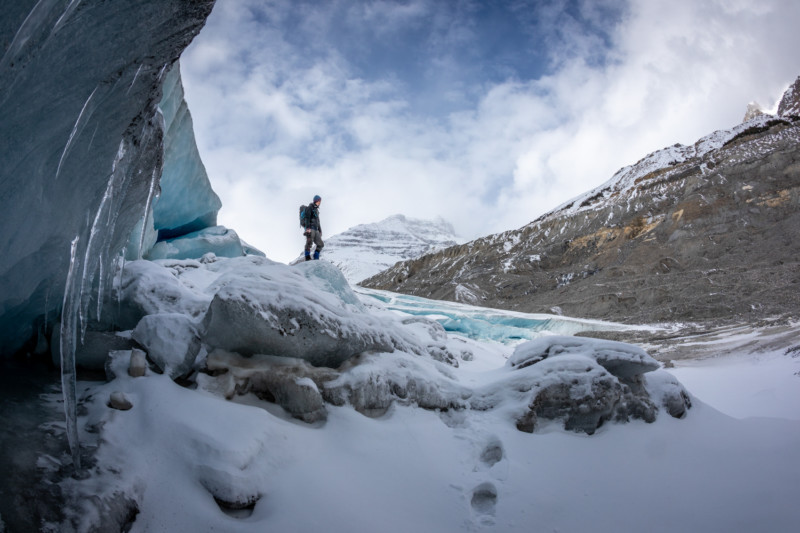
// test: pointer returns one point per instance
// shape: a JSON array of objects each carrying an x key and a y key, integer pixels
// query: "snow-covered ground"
[
  {"x": 746, "y": 385},
  {"x": 412, "y": 469}
]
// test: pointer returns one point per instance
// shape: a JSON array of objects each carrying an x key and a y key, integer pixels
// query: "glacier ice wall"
[
  {"x": 81, "y": 139},
  {"x": 187, "y": 203}
]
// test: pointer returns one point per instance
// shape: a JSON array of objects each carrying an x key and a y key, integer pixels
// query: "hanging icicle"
[{"x": 69, "y": 330}]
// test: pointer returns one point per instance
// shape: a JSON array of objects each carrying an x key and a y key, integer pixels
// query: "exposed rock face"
[
  {"x": 702, "y": 232},
  {"x": 81, "y": 140}
]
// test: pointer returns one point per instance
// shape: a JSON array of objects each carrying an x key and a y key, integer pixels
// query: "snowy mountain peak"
[
  {"x": 364, "y": 250},
  {"x": 753, "y": 110},
  {"x": 790, "y": 103}
]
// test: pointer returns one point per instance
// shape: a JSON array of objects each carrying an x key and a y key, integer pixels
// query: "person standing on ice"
[{"x": 313, "y": 230}]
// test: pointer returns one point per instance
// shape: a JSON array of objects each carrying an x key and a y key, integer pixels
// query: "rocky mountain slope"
[
  {"x": 364, "y": 250},
  {"x": 706, "y": 232}
]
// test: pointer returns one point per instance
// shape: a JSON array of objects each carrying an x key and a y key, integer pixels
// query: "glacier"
[
  {"x": 198, "y": 375},
  {"x": 80, "y": 84}
]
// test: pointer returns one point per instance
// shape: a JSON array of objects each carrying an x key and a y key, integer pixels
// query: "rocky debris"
[
  {"x": 171, "y": 342},
  {"x": 119, "y": 401},
  {"x": 701, "y": 233},
  {"x": 695, "y": 341}
]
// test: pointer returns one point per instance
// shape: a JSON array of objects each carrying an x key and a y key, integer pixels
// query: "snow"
[
  {"x": 742, "y": 386},
  {"x": 465, "y": 469},
  {"x": 367, "y": 249},
  {"x": 623, "y": 183}
]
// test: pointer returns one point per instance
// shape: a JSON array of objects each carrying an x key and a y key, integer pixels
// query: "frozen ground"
[{"x": 182, "y": 453}]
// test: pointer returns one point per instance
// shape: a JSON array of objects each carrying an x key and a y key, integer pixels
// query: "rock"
[
  {"x": 138, "y": 363},
  {"x": 576, "y": 390},
  {"x": 119, "y": 401},
  {"x": 171, "y": 342}
]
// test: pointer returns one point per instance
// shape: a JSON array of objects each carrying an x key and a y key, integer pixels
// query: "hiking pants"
[{"x": 314, "y": 237}]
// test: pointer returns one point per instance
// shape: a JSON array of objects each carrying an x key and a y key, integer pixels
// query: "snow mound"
[{"x": 620, "y": 359}]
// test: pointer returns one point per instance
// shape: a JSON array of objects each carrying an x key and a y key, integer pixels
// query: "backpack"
[{"x": 303, "y": 220}]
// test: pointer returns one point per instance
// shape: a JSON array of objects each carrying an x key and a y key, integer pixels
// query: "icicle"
[
  {"x": 65, "y": 15},
  {"x": 134, "y": 79},
  {"x": 74, "y": 131},
  {"x": 46, "y": 306},
  {"x": 100, "y": 288},
  {"x": 91, "y": 259},
  {"x": 118, "y": 280},
  {"x": 69, "y": 314},
  {"x": 91, "y": 141},
  {"x": 146, "y": 212}
]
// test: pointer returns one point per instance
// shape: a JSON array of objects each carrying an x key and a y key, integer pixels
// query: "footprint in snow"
[{"x": 484, "y": 498}]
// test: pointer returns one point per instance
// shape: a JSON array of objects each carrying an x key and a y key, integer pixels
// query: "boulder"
[{"x": 171, "y": 342}]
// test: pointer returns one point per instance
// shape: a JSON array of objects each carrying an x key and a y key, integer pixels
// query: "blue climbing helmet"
[{"x": 317, "y": 198}]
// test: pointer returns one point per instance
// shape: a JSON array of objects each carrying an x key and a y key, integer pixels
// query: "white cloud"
[{"x": 282, "y": 112}]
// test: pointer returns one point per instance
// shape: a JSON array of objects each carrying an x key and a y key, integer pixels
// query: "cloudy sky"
[{"x": 486, "y": 113}]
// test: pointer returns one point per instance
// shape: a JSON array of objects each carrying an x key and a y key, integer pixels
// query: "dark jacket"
[{"x": 312, "y": 217}]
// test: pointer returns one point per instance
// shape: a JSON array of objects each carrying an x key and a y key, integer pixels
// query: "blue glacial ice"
[
  {"x": 77, "y": 81},
  {"x": 219, "y": 240},
  {"x": 187, "y": 202},
  {"x": 482, "y": 323}
]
